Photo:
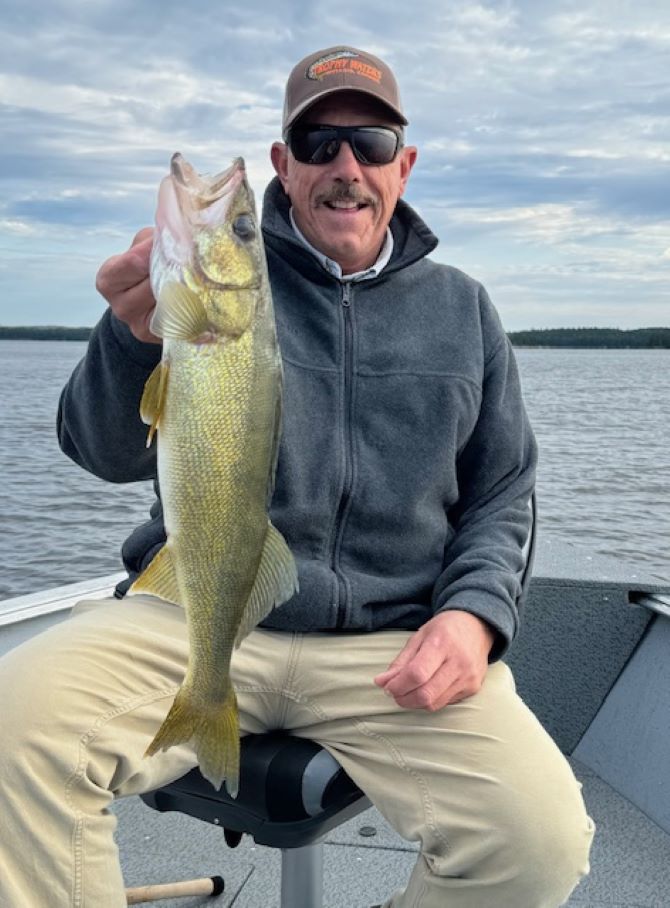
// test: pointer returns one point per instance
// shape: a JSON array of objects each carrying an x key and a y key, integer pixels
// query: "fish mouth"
[{"x": 203, "y": 191}]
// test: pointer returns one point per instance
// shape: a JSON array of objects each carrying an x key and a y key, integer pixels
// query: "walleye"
[{"x": 215, "y": 399}]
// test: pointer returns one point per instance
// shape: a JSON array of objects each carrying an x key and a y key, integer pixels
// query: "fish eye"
[{"x": 244, "y": 227}]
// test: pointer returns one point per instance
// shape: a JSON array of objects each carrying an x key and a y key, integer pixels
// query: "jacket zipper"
[{"x": 348, "y": 452}]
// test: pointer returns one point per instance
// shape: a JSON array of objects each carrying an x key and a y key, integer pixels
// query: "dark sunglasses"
[{"x": 321, "y": 144}]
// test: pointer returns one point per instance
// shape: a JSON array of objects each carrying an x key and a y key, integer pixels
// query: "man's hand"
[
  {"x": 443, "y": 662},
  {"x": 123, "y": 280}
]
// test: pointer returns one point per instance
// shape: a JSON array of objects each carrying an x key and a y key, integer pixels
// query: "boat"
[{"x": 591, "y": 661}]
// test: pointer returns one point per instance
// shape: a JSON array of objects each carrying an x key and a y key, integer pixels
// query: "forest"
[
  {"x": 44, "y": 332},
  {"x": 637, "y": 338}
]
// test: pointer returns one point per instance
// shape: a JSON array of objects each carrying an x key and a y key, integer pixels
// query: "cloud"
[{"x": 543, "y": 131}]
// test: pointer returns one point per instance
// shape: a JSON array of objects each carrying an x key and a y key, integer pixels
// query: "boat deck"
[{"x": 364, "y": 859}]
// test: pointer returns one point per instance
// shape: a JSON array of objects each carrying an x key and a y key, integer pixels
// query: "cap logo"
[{"x": 342, "y": 61}]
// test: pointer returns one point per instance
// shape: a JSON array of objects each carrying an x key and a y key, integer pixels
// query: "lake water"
[{"x": 601, "y": 418}]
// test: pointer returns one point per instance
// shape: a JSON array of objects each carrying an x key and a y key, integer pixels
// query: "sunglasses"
[{"x": 321, "y": 144}]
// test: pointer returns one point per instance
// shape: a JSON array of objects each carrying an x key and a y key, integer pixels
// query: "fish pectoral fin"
[
  {"x": 153, "y": 398},
  {"x": 159, "y": 578},
  {"x": 276, "y": 581},
  {"x": 179, "y": 314}
]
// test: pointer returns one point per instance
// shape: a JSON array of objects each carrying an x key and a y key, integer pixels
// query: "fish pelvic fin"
[
  {"x": 159, "y": 578},
  {"x": 179, "y": 314},
  {"x": 153, "y": 398},
  {"x": 276, "y": 581},
  {"x": 213, "y": 729}
]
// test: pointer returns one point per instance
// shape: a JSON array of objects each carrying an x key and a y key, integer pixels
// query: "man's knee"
[
  {"x": 62, "y": 682},
  {"x": 534, "y": 850},
  {"x": 549, "y": 848}
]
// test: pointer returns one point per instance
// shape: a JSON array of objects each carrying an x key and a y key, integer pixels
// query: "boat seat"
[{"x": 292, "y": 793}]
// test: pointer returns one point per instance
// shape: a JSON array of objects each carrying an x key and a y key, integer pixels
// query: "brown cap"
[{"x": 339, "y": 69}]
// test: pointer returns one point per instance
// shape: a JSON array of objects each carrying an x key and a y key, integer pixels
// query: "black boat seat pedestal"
[{"x": 292, "y": 793}]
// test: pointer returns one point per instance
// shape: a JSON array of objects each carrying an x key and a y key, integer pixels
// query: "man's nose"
[{"x": 345, "y": 164}]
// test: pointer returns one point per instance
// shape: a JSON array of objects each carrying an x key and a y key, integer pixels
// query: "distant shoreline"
[
  {"x": 591, "y": 338},
  {"x": 44, "y": 332}
]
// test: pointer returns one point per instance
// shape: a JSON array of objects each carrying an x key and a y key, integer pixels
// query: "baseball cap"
[{"x": 339, "y": 68}]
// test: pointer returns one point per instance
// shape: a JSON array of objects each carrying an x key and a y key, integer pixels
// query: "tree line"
[
  {"x": 44, "y": 332},
  {"x": 592, "y": 337},
  {"x": 542, "y": 337}
]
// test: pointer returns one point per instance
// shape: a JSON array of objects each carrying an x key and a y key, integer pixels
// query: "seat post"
[{"x": 302, "y": 876}]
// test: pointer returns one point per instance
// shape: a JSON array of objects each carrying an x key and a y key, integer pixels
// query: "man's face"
[{"x": 344, "y": 207}]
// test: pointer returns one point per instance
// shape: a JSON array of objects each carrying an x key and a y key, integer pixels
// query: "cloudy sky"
[{"x": 543, "y": 131}]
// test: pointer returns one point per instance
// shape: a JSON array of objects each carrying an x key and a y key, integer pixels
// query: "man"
[{"x": 404, "y": 477}]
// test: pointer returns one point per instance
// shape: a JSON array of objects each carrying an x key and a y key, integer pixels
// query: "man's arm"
[
  {"x": 99, "y": 425},
  {"x": 475, "y": 599},
  {"x": 492, "y": 520}
]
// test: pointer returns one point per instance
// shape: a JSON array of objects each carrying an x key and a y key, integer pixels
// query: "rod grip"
[{"x": 210, "y": 885}]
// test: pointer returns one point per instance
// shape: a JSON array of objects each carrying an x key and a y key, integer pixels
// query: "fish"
[{"x": 214, "y": 405}]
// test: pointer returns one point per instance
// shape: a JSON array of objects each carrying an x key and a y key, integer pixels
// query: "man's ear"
[
  {"x": 279, "y": 158},
  {"x": 407, "y": 161}
]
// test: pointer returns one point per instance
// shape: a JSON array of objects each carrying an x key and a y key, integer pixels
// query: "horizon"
[
  {"x": 543, "y": 132},
  {"x": 61, "y": 327}
]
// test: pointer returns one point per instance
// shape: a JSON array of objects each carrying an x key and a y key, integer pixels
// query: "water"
[
  {"x": 58, "y": 523},
  {"x": 600, "y": 417},
  {"x": 602, "y": 422}
]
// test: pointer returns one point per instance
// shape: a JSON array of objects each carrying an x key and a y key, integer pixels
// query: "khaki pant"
[{"x": 479, "y": 784}]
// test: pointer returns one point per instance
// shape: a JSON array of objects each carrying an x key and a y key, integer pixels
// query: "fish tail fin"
[{"x": 214, "y": 732}]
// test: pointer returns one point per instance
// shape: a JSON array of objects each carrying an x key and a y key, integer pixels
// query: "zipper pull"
[{"x": 346, "y": 293}]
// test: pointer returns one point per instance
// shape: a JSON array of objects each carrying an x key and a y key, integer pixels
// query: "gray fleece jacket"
[{"x": 406, "y": 462}]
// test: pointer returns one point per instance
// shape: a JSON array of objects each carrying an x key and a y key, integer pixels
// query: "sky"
[{"x": 543, "y": 131}]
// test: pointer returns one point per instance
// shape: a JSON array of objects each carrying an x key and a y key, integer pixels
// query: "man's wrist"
[{"x": 478, "y": 625}]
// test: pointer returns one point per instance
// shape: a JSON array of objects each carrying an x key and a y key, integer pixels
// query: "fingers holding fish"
[
  {"x": 123, "y": 280},
  {"x": 128, "y": 269},
  {"x": 135, "y": 306}
]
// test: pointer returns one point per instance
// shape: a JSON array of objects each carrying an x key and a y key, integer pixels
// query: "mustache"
[{"x": 346, "y": 192}]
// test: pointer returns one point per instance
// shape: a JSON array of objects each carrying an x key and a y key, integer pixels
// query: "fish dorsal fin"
[
  {"x": 159, "y": 578},
  {"x": 179, "y": 314},
  {"x": 276, "y": 581},
  {"x": 153, "y": 398}
]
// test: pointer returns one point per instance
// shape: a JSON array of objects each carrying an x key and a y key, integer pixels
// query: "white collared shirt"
[{"x": 332, "y": 267}]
